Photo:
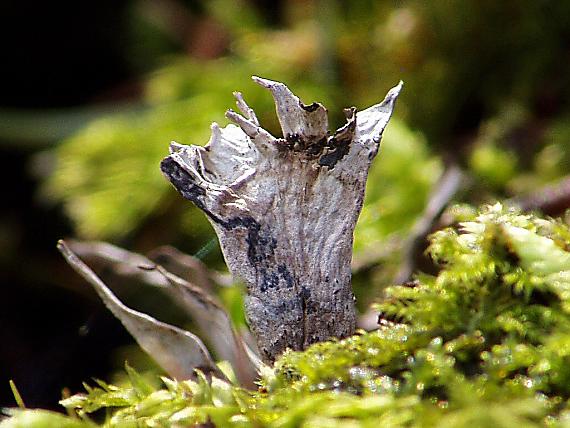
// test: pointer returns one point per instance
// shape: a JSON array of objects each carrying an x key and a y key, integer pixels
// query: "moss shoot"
[{"x": 484, "y": 342}]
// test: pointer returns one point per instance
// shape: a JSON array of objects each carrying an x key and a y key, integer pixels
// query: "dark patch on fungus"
[
  {"x": 331, "y": 158},
  {"x": 314, "y": 149},
  {"x": 269, "y": 280},
  {"x": 286, "y": 306},
  {"x": 293, "y": 138},
  {"x": 339, "y": 143},
  {"x": 182, "y": 181},
  {"x": 309, "y": 108},
  {"x": 305, "y": 296},
  {"x": 286, "y": 275}
]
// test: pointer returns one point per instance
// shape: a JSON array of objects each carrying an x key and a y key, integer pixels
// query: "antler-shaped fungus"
[{"x": 284, "y": 210}]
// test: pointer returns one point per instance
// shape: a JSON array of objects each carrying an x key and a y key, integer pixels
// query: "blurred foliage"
[
  {"x": 485, "y": 342},
  {"x": 397, "y": 188},
  {"x": 482, "y": 342},
  {"x": 341, "y": 55}
]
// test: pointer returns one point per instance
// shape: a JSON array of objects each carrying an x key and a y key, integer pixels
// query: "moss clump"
[
  {"x": 490, "y": 331},
  {"x": 485, "y": 342}
]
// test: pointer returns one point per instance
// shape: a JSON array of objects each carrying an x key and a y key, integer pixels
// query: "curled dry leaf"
[
  {"x": 284, "y": 210},
  {"x": 189, "y": 268},
  {"x": 211, "y": 318},
  {"x": 215, "y": 325},
  {"x": 123, "y": 263},
  {"x": 177, "y": 351}
]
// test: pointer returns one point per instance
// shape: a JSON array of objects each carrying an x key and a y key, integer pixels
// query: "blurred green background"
[{"x": 91, "y": 95}]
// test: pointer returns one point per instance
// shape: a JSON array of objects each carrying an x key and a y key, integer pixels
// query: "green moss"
[{"x": 485, "y": 342}]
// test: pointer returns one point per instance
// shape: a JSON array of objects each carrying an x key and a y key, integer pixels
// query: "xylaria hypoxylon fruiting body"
[{"x": 284, "y": 210}]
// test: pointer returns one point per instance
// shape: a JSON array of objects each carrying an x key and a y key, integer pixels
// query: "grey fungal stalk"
[{"x": 284, "y": 210}]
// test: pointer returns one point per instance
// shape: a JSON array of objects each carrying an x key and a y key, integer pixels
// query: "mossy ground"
[{"x": 485, "y": 342}]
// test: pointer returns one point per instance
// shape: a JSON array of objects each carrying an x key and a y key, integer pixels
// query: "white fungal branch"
[{"x": 285, "y": 209}]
